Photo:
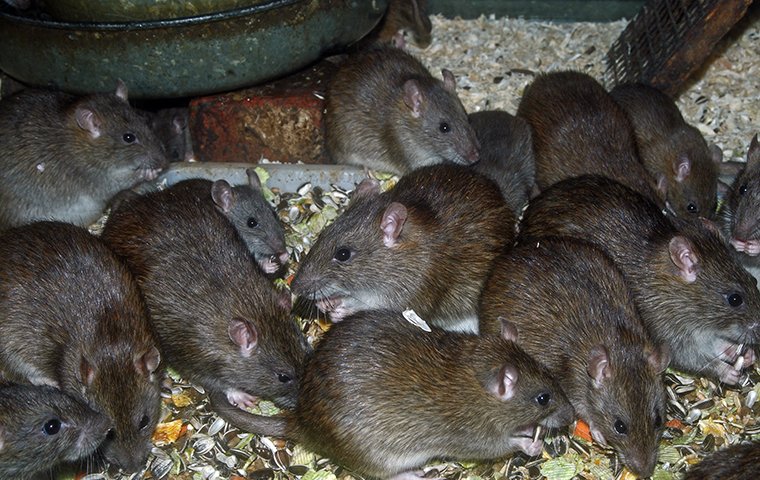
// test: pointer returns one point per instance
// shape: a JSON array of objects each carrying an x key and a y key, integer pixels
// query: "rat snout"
[{"x": 642, "y": 464}]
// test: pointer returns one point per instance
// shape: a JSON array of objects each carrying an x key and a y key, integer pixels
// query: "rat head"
[
  {"x": 254, "y": 219},
  {"x": 40, "y": 426},
  {"x": 117, "y": 138},
  {"x": 740, "y": 210},
  {"x": 626, "y": 400},
  {"x": 436, "y": 122}
]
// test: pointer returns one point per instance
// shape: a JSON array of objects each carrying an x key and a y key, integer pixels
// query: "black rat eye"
[
  {"x": 743, "y": 189},
  {"x": 283, "y": 378},
  {"x": 129, "y": 138},
  {"x": 144, "y": 421},
  {"x": 657, "y": 420},
  {"x": 52, "y": 426},
  {"x": 621, "y": 427},
  {"x": 735, "y": 299},
  {"x": 444, "y": 127},
  {"x": 252, "y": 223},
  {"x": 544, "y": 399},
  {"x": 692, "y": 208},
  {"x": 342, "y": 254}
]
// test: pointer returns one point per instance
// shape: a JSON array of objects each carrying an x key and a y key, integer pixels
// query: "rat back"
[
  {"x": 72, "y": 317},
  {"x": 385, "y": 111},
  {"x": 737, "y": 462},
  {"x": 574, "y": 312},
  {"x": 41, "y": 427},
  {"x": 64, "y": 157},
  {"x": 674, "y": 152},
  {"x": 680, "y": 273},
  {"x": 579, "y": 129}
]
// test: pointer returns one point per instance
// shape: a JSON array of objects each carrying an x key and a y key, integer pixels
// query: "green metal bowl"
[
  {"x": 182, "y": 57},
  {"x": 138, "y": 10}
]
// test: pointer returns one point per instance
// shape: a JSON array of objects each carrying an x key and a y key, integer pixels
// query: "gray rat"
[
  {"x": 72, "y": 317},
  {"x": 691, "y": 292},
  {"x": 576, "y": 315},
  {"x": 673, "y": 151},
  {"x": 41, "y": 427},
  {"x": 740, "y": 212},
  {"x": 506, "y": 155},
  {"x": 65, "y": 157},
  {"x": 384, "y": 111},
  {"x": 171, "y": 126},
  {"x": 220, "y": 321},
  {"x": 427, "y": 244},
  {"x": 382, "y": 397},
  {"x": 404, "y": 16},
  {"x": 579, "y": 129},
  {"x": 737, "y": 462}
]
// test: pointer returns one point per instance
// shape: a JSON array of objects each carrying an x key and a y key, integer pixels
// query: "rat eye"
[
  {"x": 692, "y": 208},
  {"x": 144, "y": 421},
  {"x": 111, "y": 434},
  {"x": 283, "y": 378},
  {"x": 735, "y": 299},
  {"x": 52, "y": 426},
  {"x": 129, "y": 137},
  {"x": 544, "y": 399},
  {"x": 252, "y": 223},
  {"x": 342, "y": 254},
  {"x": 743, "y": 189},
  {"x": 657, "y": 420},
  {"x": 621, "y": 427},
  {"x": 444, "y": 127}
]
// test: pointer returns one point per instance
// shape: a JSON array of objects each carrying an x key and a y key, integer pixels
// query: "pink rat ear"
[
  {"x": 222, "y": 195},
  {"x": 684, "y": 258},
  {"x": 244, "y": 335},
  {"x": 508, "y": 330},
  {"x": 449, "y": 81},
  {"x": 86, "y": 372},
  {"x": 598, "y": 367},
  {"x": 504, "y": 386},
  {"x": 253, "y": 178},
  {"x": 88, "y": 120},
  {"x": 392, "y": 224},
  {"x": 682, "y": 167},
  {"x": 413, "y": 97},
  {"x": 659, "y": 358},
  {"x": 147, "y": 363},
  {"x": 121, "y": 90},
  {"x": 367, "y": 188}
]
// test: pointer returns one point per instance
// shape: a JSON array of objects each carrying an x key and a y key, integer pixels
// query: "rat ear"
[
  {"x": 86, "y": 372},
  {"x": 449, "y": 81},
  {"x": 221, "y": 193},
  {"x": 178, "y": 123},
  {"x": 753, "y": 153},
  {"x": 508, "y": 330},
  {"x": 413, "y": 97},
  {"x": 684, "y": 258},
  {"x": 121, "y": 90},
  {"x": 244, "y": 335},
  {"x": 598, "y": 367},
  {"x": 682, "y": 167},
  {"x": 88, "y": 120},
  {"x": 366, "y": 188},
  {"x": 147, "y": 363},
  {"x": 253, "y": 178},
  {"x": 503, "y": 387},
  {"x": 394, "y": 218},
  {"x": 659, "y": 358},
  {"x": 716, "y": 153},
  {"x": 662, "y": 185}
]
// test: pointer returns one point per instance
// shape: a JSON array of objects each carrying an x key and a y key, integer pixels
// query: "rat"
[
  {"x": 457, "y": 396},
  {"x": 221, "y": 323},
  {"x": 579, "y": 129},
  {"x": 674, "y": 152},
  {"x": 65, "y": 157},
  {"x": 40, "y": 427},
  {"x": 404, "y": 16},
  {"x": 691, "y": 292},
  {"x": 171, "y": 127},
  {"x": 740, "y": 212},
  {"x": 737, "y": 462},
  {"x": 506, "y": 155},
  {"x": 427, "y": 244},
  {"x": 73, "y": 317},
  {"x": 384, "y": 111},
  {"x": 589, "y": 335}
]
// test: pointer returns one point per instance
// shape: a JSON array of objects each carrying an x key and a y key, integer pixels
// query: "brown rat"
[
  {"x": 41, "y": 427},
  {"x": 673, "y": 151},
  {"x": 171, "y": 126},
  {"x": 427, "y": 244},
  {"x": 404, "y": 16},
  {"x": 579, "y": 129},
  {"x": 690, "y": 291},
  {"x": 65, "y": 157},
  {"x": 455, "y": 395},
  {"x": 506, "y": 154},
  {"x": 576, "y": 315},
  {"x": 737, "y": 462},
  {"x": 220, "y": 321},
  {"x": 72, "y": 317},
  {"x": 385, "y": 111},
  {"x": 740, "y": 212}
]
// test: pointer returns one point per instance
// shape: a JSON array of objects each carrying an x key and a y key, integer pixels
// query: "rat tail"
[{"x": 274, "y": 426}]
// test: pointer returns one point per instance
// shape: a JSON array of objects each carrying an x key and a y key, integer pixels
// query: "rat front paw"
[{"x": 240, "y": 398}]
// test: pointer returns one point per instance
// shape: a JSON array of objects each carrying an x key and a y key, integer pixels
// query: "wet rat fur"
[
  {"x": 384, "y": 111},
  {"x": 692, "y": 294},
  {"x": 72, "y": 317},
  {"x": 577, "y": 316},
  {"x": 221, "y": 322},
  {"x": 456, "y": 395},
  {"x": 674, "y": 152},
  {"x": 579, "y": 129},
  {"x": 65, "y": 157},
  {"x": 427, "y": 244}
]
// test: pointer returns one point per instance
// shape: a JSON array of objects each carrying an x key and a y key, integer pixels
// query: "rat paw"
[{"x": 240, "y": 398}]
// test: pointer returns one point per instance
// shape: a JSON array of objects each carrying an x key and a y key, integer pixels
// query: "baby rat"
[
  {"x": 73, "y": 317},
  {"x": 576, "y": 315},
  {"x": 405, "y": 16},
  {"x": 506, "y": 155},
  {"x": 427, "y": 244},
  {"x": 737, "y": 462},
  {"x": 579, "y": 129},
  {"x": 41, "y": 427},
  {"x": 673, "y": 151},
  {"x": 740, "y": 213},
  {"x": 65, "y": 157},
  {"x": 382, "y": 397},
  {"x": 384, "y": 111},
  {"x": 221, "y": 323},
  {"x": 690, "y": 291}
]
